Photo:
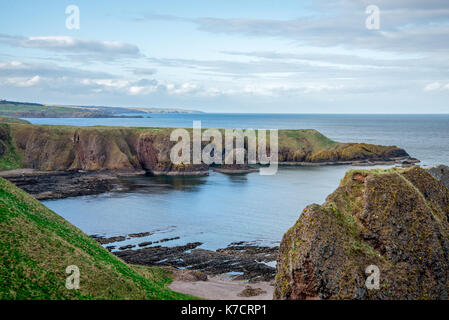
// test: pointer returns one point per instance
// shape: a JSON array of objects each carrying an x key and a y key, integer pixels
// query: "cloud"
[
  {"x": 432, "y": 86},
  {"x": 76, "y": 81},
  {"x": 436, "y": 86},
  {"x": 93, "y": 49},
  {"x": 22, "y": 82},
  {"x": 144, "y": 71},
  {"x": 347, "y": 31},
  {"x": 405, "y": 25},
  {"x": 16, "y": 68}
]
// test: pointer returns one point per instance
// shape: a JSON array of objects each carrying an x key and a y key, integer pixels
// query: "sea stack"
[{"x": 393, "y": 219}]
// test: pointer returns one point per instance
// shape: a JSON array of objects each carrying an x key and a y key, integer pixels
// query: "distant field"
[
  {"x": 31, "y": 110},
  {"x": 35, "y": 110}
]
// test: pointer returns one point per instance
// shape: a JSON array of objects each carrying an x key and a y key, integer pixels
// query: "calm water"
[{"x": 220, "y": 209}]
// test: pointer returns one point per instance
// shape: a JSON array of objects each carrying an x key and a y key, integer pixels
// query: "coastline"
[{"x": 46, "y": 185}]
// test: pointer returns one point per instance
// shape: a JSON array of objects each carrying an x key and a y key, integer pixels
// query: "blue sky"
[{"x": 229, "y": 56}]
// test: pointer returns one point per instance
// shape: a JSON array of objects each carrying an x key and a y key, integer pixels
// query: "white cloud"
[
  {"x": 22, "y": 82},
  {"x": 432, "y": 86},
  {"x": 321, "y": 87},
  {"x": 95, "y": 49}
]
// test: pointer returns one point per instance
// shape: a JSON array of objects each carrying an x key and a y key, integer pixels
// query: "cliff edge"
[
  {"x": 395, "y": 219},
  {"x": 66, "y": 148}
]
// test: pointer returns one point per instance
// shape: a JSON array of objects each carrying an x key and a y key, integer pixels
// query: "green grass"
[
  {"x": 37, "y": 245},
  {"x": 11, "y": 157},
  {"x": 13, "y": 120},
  {"x": 23, "y": 109}
]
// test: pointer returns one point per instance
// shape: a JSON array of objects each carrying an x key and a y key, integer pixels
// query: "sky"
[{"x": 229, "y": 56}]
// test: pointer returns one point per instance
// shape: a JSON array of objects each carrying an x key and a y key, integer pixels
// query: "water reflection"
[
  {"x": 238, "y": 178},
  {"x": 162, "y": 184}
]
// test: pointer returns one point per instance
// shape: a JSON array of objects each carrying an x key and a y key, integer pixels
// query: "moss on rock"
[{"x": 395, "y": 219}]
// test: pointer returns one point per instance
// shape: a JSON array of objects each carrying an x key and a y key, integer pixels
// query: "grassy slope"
[
  {"x": 12, "y": 157},
  {"x": 13, "y": 120},
  {"x": 37, "y": 245}
]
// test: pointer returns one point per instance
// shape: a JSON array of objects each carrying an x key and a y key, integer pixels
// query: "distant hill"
[
  {"x": 37, "y": 246},
  {"x": 16, "y": 109}
]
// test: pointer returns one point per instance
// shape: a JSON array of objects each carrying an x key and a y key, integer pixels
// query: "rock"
[
  {"x": 247, "y": 262},
  {"x": 129, "y": 246},
  {"x": 235, "y": 169},
  {"x": 168, "y": 239},
  {"x": 395, "y": 219},
  {"x": 103, "y": 240},
  {"x": 187, "y": 275},
  {"x": 146, "y": 243},
  {"x": 441, "y": 173},
  {"x": 139, "y": 235},
  {"x": 45, "y": 185},
  {"x": 251, "y": 292}
]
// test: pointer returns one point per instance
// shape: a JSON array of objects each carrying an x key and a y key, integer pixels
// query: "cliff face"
[
  {"x": 397, "y": 220},
  {"x": 120, "y": 148},
  {"x": 441, "y": 173},
  {"x": 51, "y": 148}
]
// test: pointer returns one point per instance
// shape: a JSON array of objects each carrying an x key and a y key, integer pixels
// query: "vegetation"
[
  {"x": 396, "y": 219},
  {"x": 13, "y": 120},
  {"x": 59, "y": 147},
  {"x": 35, "y": 110},
  {"x": 10, "y": 156},
  {"x": 37, "y": 245}
]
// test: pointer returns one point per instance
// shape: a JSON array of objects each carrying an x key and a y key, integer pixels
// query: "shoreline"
[
  {"x": 218, "y": 288},
  {"x": 241, "y": 261},
  {"x": 46, "y": 185}
]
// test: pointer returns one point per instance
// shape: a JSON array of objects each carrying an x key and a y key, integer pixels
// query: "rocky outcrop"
[
  {"x": 243, "y": 261},
  {"x": 395, "y": 219},
  {"x": 65, "y": 148},
  {"x": 44, "y": 185},
  {"x": 61, "y": 148},
  {"x": 441, "y": 173}
]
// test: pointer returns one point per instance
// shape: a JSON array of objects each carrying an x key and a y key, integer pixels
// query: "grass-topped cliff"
[
  {"x": 124, "y": 148},
  {"x": 37, "y": 245},
  {"x": 396, "y": 219},
  {"x": 36, "y": 110}
]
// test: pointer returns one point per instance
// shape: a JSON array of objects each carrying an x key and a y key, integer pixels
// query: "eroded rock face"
[
  {"x": 441, "y": 173},
  {"x": 98, "y": 149},
  {"x": 62, "y": 148},
  {"x": 396, "y": 219}
]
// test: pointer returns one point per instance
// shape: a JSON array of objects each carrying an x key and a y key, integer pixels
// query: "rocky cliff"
[
  {"x": 51, "y": 148},
  {"x": 395, "y": 219},
  {"x": 441, "y": 173}
]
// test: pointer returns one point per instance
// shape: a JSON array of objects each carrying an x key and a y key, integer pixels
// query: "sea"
[{"x": 221, "y": 209}]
